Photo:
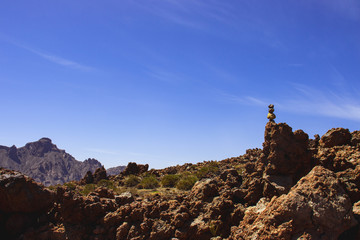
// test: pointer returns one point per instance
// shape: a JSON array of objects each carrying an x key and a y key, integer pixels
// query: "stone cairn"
[{"x": 271, "y": 116}]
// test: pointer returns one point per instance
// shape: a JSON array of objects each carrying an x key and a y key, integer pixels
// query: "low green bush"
[
  {"x": 106, "y": 183},
  {"x": 210, "y": 168},
  {"x": 70, "y": 185},
  {"x": 88, "y": 188},
  {"x": 131, "y": 181},
  {"x": 170, "y": 180},
  {"x": 149, "y": 182},
  {"x": 186, "y": 182}
]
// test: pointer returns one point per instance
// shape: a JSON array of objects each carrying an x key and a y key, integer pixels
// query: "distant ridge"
[{"x": 45, "y": 163}]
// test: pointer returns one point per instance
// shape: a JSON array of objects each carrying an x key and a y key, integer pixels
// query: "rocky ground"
[{"x": 293, "y": 188}]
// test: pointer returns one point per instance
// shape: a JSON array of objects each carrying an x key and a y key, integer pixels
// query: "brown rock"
[
  {"x": 87, "y": 179},
  {"x": 135, "y": 169},
  {"x": 231, "y": 177},
  {"x": 285, "y": 152},
  {"x": 122, "y": 231},
  {"x": 317, "y": 207},
  {"x": 19, "y": 193},
  {"x": 99, "y": 174},
  {"x": 355, "y": 138},
  {"x": 335, "y": 137},
  {"x": 124, "y": 198},
  {"x": 104, "y": 192},
  {"x": 204, "y": 189}
]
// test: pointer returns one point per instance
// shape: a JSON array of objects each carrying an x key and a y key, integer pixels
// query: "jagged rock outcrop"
[
  {"x": 135, "y": 169},
  {"x": 317, "y": 207},
  {"x": 98, "y": 175},
  {"x": 285, "y": 159},
  {"x": 22, "y": 203},
  {"x": 295, "y": 188},
  {"x": 335, "y": 137},
  {"x": 45, "y": 163}
]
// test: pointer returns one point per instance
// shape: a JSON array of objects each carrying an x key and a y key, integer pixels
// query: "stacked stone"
[{"x": 271, "y": 116}]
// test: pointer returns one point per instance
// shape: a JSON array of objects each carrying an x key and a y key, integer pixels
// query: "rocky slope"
[
  {"x": 294, "y": 188},
  {"x": 45, "y": 163}
]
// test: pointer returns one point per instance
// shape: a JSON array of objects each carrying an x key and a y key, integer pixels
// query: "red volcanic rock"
[
  {"x": 135, "y": 169},
  {"x": 124, "y": 198},
  {"x": 355, "y": 138},
  {"x": 19, "y": 193},
  {"x": 285, "y": 152},
  {"x": 204, "y": 189},
  {"x": 87, "y": 179},
  {"x": 317, "y": 207},
  {"x": 122, "y": 231},
  {"x": 335, "y": 137},
  {"x": 104, "y": 192},
  {"x": 231, "y": 177},
  {"x": 99, "y": 174}
]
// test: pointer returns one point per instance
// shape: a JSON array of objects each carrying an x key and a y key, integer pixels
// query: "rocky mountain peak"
[
  {"x": 40, "y": 147},
  {"x": 45, "y": 162}
]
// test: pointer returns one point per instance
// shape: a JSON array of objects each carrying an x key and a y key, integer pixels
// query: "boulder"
[
  {"x": 335, "y": 137},
  {"x": 124, "y": 198},
  {"x": 317, "y": 207},
  {"x": 135, "y": 169},
  {"x": 100, "y": 174},
  {"x": 204, "y": 189},
  {"x": 19, "y": 193}
]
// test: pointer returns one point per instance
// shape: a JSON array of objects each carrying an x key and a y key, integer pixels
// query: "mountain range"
[{"x": 46, "y": 163}]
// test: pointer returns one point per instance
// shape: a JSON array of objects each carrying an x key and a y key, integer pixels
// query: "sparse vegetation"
[
  {"x": 88, "y": 188},
  {"x": 186, "y": 182},
  {"x": 70, "y": 185},
  {"x": 106, "y": 183},
  {"x": 170, "y": 180},
  {"x": 149, "y": 182},
  {"x": 132, "y": 181},
  {"x": 240, "y": 168},
  {"x": 210, "y": 168},
  {"x": 213, "y": 227}
]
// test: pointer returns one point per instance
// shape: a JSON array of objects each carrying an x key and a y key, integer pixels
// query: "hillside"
[
  {"x": 45, "y": 163},
  {"x": 293, "y": 188}
]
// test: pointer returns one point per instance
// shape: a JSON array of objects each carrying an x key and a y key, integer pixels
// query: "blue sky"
[{"x": 174, "y": 81}]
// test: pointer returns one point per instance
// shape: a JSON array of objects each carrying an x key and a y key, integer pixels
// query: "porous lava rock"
[
  {"x": 285, "y": 158},
  {"x": 135, "y": 169},
  {"x": 336, "y": 137},
  {"x": 317, "y": 207},
  {"x": 100, "y": 174},
  {"x": 22, "y": 203},
  {"x": 285, "y": 152},
  {"x": 19, "y": 193}
]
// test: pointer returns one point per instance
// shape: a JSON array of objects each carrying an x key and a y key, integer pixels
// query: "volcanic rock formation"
[{"x": 295, "y": 188}]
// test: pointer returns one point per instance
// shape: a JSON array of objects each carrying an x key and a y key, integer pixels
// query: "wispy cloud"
[
  {"x": 327, "y": 103},
  {"x": 310, "y": 101},
  {"x": 47, "y": 56},
  {"x": 244, "y": 100},
  {"x": 163, "y": 75},
  {"x": 59, "y": 60}
]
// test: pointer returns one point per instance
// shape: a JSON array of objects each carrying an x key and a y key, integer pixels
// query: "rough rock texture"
[
  {"x": 115, "y": 170},
  {"x": 335, "y": 137},
  {"x": 19, "y": 193},
  {"x": 135, "y": 169},
  {"x": 285, "y": 152},
  {"x": 22, "y": 202},
  {"x": 284, "y": 160},
  {"x": 295, "y": 188},
  {"x": 45, "y": 163},
  {"x": 316, "y": 207}
]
